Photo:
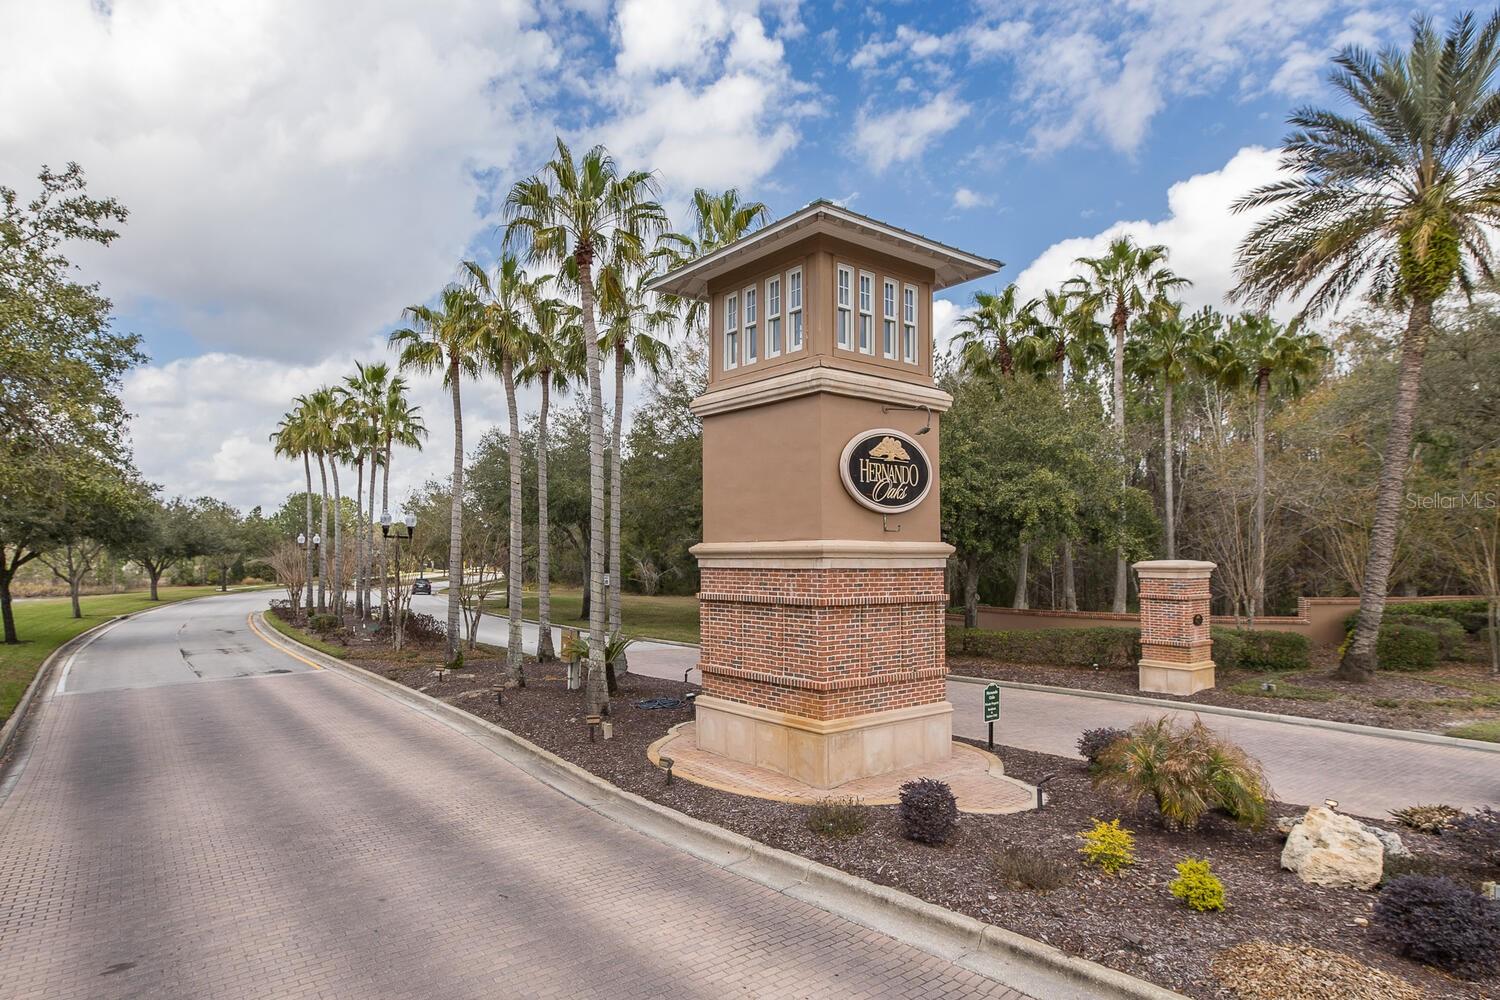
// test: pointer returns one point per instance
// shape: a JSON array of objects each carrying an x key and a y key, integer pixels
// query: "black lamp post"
[{"x": 317, "y": 540}]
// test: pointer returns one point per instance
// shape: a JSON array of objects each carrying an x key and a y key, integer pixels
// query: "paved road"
[
  {"x": 191, "y": 822},
  {"x": 1368, "y": 775}
]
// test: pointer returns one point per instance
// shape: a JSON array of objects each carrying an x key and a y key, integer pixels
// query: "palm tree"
[
  {"x": 323, "y": 423},
  {"x": 632, "y": 315},
  {"x": 549, "y": 363},
  {"x": 1059, "y": 338},
  {"x": 587, "y": 211},
  {"x": 1125, "y": 281},
  {"x": 400, "y": 423},
  {"x": 448, "y": 338},
  {"x": 508, "y": 300},
  {"x": 1169, "y": 348},
  {"x": 987, "y": 336},
  {"x": 1256, "y": 351},
  {"x": 718, "y": 220},
  {"x": 290, "y": 440},
  {"x": 360, "y": 397},
  {"x": 1400, "y": 197}
]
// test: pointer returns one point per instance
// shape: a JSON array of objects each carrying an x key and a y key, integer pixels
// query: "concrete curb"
[
  {"x": 1408, "y": 735},
  {"x": 1022, "y": 963}
]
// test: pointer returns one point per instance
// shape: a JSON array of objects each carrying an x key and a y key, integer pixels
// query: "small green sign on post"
[{"x": 991, "y": 709}]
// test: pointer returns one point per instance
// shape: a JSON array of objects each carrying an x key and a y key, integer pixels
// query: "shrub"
[
  {"x": 1427, "y": 819},
  {"x": 1109, "y": 648},
  {"x": 1404, "y": 648},
  {"x": 837, "y": 817},
  {"x": 1471, "y": 615},
  {"x": 1228, "y": 645},
  {"x": 1197, "y": 886},
  {"x": 1436, "y": 921},
  {"x": 1263, "y": 649},
  {"x": 421, "y": 627},
  {"x": 1024, "y": 868},
  {"x": 1479, "y": 835},
  {"x": 323, "y": 623},
  {"x": 928, "y": 811},
  {"x": 1187, "y": 771},
  {"x": 1449, "y": 634},
  {"x": 1108, "y": 845},
  {"x": 1094, "y": 742}
]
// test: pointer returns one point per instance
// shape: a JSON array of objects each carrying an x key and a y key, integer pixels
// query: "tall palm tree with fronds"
[
  {"x": 507, "y": 302},
  {"x": 448, "y": 338},
  {"x": 1123, "y": 282},
  {"x": 360, "y": 395},
  {"x": 987, "y": 336},
  {"x": 290, "y": 440},
  {"x": 1169, "y": 347},
  {"x": 634, "y": 318},
  {"x": 1059, "y": 338},
  {"x": 550, "y": 363},
  {"x": 1256, "y": 352},
  {"x": 718, "y": 220},
  {"x": 589, "y": 212},
  {"x": 324, "y": 418},
  {"x": 400, "y": 424},
  {"x": 1398, "y": 198}
]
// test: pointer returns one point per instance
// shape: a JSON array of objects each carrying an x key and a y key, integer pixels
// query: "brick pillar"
[
  {"x": 824, "y": 661},
  {"x": 1176, "y": 647}
]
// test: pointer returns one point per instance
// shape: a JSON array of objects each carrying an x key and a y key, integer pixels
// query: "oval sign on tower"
[{"x": 885, "y": 470}]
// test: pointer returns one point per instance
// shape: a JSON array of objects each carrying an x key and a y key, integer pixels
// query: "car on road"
[{"x": 421, "y": 585}]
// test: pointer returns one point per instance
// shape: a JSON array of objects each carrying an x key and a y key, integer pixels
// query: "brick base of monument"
[
  {"x": 826, "y": 673},
  {"x": 1176, "y": 645}
]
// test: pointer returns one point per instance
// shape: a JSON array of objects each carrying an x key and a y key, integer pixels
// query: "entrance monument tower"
[{"x": 822, "y": 598}]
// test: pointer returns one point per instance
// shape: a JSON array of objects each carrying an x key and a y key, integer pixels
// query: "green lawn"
[
  {"x": 1478, "y": 731},
  {"x": 306, "y": 638},
  {"x": 671, "y": 618},
  {"x": 46, "y": 624}
]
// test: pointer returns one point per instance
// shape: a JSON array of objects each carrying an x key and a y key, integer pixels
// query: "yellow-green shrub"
[
  {"x": 1108, "y": 845},
  {"x": 1197, "y": 886}
]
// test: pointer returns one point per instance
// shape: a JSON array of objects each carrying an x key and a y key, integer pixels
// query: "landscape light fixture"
[
  {"x": 386, "y": 524},
  {"x": 317, "y": 540},
  {"x": 924, "y": 408}
]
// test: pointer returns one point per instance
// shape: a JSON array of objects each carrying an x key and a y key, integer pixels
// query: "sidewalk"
[{"x": 1369, "y": 775}]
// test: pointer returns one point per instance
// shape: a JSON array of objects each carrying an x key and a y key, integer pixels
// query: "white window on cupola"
[
  {"x": 731, "y": 331},
  {"x": 866, "y": 313},
  {"x": 752, "y": 331},
  {"x": 909, "y": 325},
  {"x": 846, "y": 308},
  {"x": 774, "y": 346},
  {"x": 794, "y": 310},
  {"x": 888, "y": 320}
]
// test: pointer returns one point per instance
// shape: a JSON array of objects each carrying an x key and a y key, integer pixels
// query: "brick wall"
[
  {"x": 1168, "y": 606},
  {"x": 823, "y": 643}
]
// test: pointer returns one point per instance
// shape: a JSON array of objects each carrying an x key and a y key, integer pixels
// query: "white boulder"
[{"x": 1336, "y": 851}]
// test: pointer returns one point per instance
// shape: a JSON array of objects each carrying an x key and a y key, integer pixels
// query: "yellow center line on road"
[{"x": 250, "y": 620}]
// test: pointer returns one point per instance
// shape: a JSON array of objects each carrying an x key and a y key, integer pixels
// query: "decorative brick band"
[
  {"x": 806, "y": 601},
  {"x": 834, "y": 684}
]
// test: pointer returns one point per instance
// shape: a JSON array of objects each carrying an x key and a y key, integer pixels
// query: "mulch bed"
[
  {"x": 1130, "y": 922},
  {"x": 1389, "y": 700}
]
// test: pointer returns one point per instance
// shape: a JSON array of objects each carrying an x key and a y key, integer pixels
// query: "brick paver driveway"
[{"x": 179, "y": 830}]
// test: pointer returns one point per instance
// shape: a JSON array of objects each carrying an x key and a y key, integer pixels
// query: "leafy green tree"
[
  {"x": 223, "y": 535},
  {"x": 448, "y": 338},
  {"x": 170, "y": 533},
  {"x": 1125, "y": 281},
  {"x": 1400, "y": 198},
  {"x": 587, "y": 212},
  {"x": 987, "y": 335}
]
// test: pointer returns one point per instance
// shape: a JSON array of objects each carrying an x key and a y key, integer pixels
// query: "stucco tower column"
[
  {"x": 1176, "y": 646},
  {"x": 822, "y": 594}
]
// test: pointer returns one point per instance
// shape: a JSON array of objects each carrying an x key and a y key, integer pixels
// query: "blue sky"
[{"x": 298, "y": 172}]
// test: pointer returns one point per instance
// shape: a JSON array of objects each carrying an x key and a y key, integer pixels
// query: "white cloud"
[
  {"x": 902, "y": 135},
  {"x": 296, "y": 173},
  {"x": 659, "y": 36},
  {"x": 965, "y": 198},
  {"x": 1199, "y": 229},
  {"x": 1089, "y": 72}
]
